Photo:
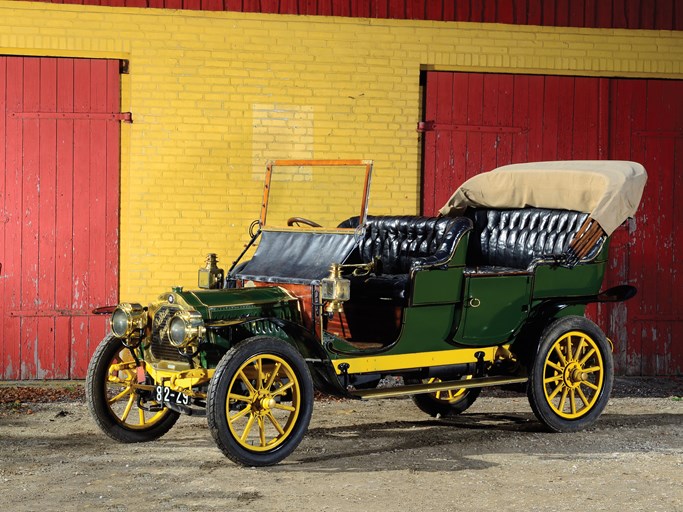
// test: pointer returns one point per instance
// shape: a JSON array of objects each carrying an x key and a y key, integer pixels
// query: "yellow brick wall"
[{"x": 215, "y": 95}]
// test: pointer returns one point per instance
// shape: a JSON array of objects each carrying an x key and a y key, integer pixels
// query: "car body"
[{"x": 490, "y": 293}]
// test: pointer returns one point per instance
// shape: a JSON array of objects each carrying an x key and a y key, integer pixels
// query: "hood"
[{"x": 234, "y": 302}]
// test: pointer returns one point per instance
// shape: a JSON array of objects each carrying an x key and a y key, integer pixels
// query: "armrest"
[{"x": 444, "y": 253}]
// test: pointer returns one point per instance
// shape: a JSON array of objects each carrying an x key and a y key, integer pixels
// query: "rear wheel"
[
  {"x": 571, "y": 377},
  {"x": 114, "y": 397},
  {"x": 446, "y": 403},
  {"x": 260, "y": 401}
]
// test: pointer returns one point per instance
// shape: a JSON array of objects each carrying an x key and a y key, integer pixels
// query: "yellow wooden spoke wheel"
[
  {"x": 264, "y": 402},
  {"x": 260, "y": 401},
  {"x": 572, "y": 375},
  {"x": 446, "y": 403},
  {"x": 122, "y": 394},
  {"x": 119, "y": 406}
]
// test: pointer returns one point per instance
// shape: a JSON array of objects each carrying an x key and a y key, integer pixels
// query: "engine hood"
[{"x": 234, "y": 302}]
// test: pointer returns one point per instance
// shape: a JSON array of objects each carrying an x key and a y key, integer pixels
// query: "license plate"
[{"x": 167, "y": 395}]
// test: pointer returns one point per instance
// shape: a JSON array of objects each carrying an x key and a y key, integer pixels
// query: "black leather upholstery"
[
  {"x": 516, "y": 238},
  {"x": 403, "y": 243},
  {"x": 406, "y": 242}
]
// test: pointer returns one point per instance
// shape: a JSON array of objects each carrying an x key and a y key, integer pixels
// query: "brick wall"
[{"x": 215, "y": 95}]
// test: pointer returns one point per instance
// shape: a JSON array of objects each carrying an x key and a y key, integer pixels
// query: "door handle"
[{"x": 474, "y": 302}]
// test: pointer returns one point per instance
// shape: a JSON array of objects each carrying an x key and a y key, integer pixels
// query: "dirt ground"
[{"x": 382, "y": 455}]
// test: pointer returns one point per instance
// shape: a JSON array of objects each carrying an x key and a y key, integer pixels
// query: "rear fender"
[{"x": 548, "y": 310}]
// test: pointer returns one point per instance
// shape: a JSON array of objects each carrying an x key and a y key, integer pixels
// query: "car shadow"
[{"x": 451, "y": 443}]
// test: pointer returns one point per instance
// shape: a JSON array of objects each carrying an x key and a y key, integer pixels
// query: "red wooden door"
[
  {"x": 476, "y": 122},
  {"x": 59, "y": 206},
  {"x": 647, "y": 126}
]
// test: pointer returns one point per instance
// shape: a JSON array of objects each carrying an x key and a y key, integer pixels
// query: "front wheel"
[
  {"x": 115, "y": 400},
  {"x": 572, "y": 374},
  {"x": 260, "y": 401}
]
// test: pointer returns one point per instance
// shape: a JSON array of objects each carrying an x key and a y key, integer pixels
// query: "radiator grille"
[{"x": 161, "y": 346}]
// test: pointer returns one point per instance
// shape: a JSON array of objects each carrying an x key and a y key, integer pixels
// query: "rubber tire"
[
  {"x": 535, "y": 392},
  {"x": 427, "y": 403},
  {"x": 217, "y": 398},
  {"x": 95, "y": 397}
]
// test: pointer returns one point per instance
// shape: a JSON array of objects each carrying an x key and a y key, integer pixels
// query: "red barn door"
[
  {"x": 59, "y": 212},
  {"x": 475, "y": 122},
  {"x": 647, "y": 126}
]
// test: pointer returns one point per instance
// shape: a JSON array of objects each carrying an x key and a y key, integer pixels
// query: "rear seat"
[{"x": 516, "y": 240}]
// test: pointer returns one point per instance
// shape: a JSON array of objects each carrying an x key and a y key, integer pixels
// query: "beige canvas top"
[{"x": 608, "y": 190}]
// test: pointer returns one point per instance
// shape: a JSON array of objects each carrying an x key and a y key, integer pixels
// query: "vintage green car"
[{"x": 492, "y": 292}]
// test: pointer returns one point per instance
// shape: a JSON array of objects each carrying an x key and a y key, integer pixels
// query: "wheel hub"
[
  {"x": 267, "y": 403},
  {"x": 574, "y": 375}
]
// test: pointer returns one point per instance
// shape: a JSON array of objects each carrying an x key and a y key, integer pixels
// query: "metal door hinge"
[
  {"x": 125, "y": 117},
  {"x": 426, "y": 126}
]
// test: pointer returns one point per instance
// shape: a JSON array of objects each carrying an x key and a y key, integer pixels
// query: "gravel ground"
[{"x": 378, "y": 455}]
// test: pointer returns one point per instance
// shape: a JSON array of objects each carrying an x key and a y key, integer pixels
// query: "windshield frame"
[{"x": 271, "y": 164}]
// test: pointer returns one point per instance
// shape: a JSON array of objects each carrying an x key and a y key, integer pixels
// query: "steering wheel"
[{"x": 300, "y": 220}]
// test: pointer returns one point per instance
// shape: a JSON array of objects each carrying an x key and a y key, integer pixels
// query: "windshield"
[{"x": 315, "y": 193}]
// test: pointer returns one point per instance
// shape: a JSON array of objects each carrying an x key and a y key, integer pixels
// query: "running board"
[{"x": 417, "y": 389}]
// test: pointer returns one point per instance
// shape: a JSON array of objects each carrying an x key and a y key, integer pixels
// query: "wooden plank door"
[
  {"x": 647, "y": 126},
  {"x": 476, "y": 122},
  {"x": 59, "y": 166}
]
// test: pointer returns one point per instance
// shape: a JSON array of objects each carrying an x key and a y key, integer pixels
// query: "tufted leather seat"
[
  {"x": 516, "y": 239},
  {"x": 403, "y": 243}
]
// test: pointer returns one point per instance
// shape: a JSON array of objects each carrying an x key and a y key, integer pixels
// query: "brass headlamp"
[
  {"x": 185, "y": 327},
  {"x": 127, "y": 319}
]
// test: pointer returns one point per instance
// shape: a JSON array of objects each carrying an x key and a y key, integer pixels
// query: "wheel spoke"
[
  {"x": 141, "y": 415},
  {"x": 592, "y": 369},
  {"x": 239, "y": 414},
  {"x": 240, "y": 398},
  {"x": 555, "y": 366},
  {"x": 590, "y": 385},
  {"x": 275, "y": 423},
  {"x": 557, "y": 349},
  {"x": 556, "y": 391},
  {"x": 550, "y": 380},
  {"x": 283, "y": 389},
  {"x": 570, "y": 353},
  {"x": 585, "y": 400},
  {"x": 259, "y": 372},
  {"x": 247, "y": 428},
  {"x": 587, "y": 356},
  {"x": 129, "y": 406},
  {"x": 262, "y": 430},
  {"x": 118, "y": 397},
  {"x": 284, "y": 407},
  {"x": 276, "y": 370},
  {"x": 579, "y": 349},
  {"x": 246, "y": 382},
  {"x": 572, "y": 401},
  {"x": 563, "y": 399}
]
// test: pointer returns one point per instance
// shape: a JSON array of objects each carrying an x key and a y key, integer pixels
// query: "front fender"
[{"x": 319, "y": 363}]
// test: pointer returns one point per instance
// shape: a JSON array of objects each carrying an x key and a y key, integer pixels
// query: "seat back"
[
  {"x": 515, "y": 238},
  {"x": 402, "y": 241}
]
